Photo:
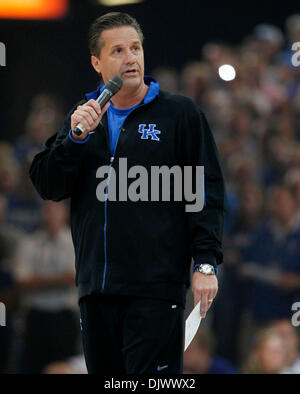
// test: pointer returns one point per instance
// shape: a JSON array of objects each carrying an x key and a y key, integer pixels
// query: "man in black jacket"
[{"x": 133, "y": 258}]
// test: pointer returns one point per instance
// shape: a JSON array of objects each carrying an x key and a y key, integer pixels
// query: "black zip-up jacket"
[{"x": 141, "y": 248}]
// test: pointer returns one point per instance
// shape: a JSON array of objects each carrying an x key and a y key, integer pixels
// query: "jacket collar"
[{"x": 151, "y": 94}]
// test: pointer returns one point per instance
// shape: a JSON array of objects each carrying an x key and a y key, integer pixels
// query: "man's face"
[{"x": 122, "y": 55}]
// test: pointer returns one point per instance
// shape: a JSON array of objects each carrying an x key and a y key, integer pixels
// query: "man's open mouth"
[{"x": 132, "y": 71}]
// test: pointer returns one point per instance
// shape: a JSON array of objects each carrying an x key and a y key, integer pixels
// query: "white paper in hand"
[{"x": 191, "y": 325}]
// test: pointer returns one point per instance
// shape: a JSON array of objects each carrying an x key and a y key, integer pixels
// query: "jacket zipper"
[
  {"x": 105, "y": 222},
  {"x": 105, "y": 204}
]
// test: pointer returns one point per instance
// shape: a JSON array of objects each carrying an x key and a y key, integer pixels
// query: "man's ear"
[{"x": 96, "y": 63}]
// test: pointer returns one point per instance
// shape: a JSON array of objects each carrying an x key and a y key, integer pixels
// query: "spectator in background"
[
  {"x": 9, "y": 236},
  {"x": 267, "y": 355},
  {"x": 215, "y": 54},
  {"x": 280, "y": 150},
  {"x": 8, "y": 290},
  {"x": 195, "y": 80},
  {"x": 45, "y": 274},
  {"x": 23, "y": 203},
  {"x": 272, "y": 261},
  {"x": 292, "y": 25},
  {"x": 9, "y": 170},
  {"x": 290, "y": 338},
  {"x": 242, "y": 169},
  {"x": 200, "y": 357},
  {"x": 168, "y": 78},
  {"x": 228, "y": 316},
  {"x": 247, "y": 218},
  {"x": 44, "y": 117},
  {"x": 292, "y": 180},
  {"x": 8, "y": 296},
  {"x": 219, "y": 105},
  {"x": 269, "y": 40}
]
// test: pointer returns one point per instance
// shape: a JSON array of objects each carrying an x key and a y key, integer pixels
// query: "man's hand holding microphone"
[{"x": 87, "y": 116}]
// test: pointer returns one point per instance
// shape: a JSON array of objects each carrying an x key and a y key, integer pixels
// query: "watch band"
[{"x": 196, "y": 267}]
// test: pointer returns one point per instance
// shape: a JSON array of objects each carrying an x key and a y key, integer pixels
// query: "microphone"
[{"x": 111, "y": 88}]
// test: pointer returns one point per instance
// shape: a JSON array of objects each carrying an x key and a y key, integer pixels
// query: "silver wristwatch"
[{"x": 206, "y": 269}]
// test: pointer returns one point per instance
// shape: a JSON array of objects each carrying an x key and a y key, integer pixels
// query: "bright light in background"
[
  {"x": 33, "y": 9},
  {"x": 111, "y": 3},
  {"x": 227, "y": 72}
]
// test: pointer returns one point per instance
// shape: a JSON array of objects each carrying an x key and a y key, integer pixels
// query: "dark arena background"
[{"x": 253, "y": 107}]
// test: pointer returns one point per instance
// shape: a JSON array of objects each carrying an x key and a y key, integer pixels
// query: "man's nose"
[{"x": 130, "y": 57}]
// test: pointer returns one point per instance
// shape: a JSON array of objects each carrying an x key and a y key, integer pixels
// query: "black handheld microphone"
[{"x": 111, "y": 88}]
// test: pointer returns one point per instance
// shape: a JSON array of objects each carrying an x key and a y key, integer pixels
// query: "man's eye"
[{"x": 118, "y": 50}]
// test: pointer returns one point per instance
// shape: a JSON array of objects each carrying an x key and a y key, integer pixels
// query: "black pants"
[{"x": 130, "y": 335}]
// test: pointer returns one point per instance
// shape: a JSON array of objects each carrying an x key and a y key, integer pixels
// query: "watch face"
[{"x": 206, "y": 269}]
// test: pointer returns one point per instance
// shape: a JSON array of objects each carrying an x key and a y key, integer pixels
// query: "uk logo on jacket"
[{"x": 150, "y": 132}]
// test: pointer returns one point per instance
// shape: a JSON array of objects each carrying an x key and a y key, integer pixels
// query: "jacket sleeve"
[
  {"x": 205, "y": 226},
  {"x": 55, "y": 169}
]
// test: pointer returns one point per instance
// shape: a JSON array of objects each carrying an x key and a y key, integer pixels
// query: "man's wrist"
[{"x": 75, "y": 139}]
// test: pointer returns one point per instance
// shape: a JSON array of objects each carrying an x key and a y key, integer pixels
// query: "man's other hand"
[{"x": 204, "y": 288}]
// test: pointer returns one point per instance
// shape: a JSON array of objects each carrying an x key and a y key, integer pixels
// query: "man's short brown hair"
[{"x": 106, "y": 22}]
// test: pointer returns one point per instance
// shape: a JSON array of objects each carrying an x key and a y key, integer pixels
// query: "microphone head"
[{"x": 114, "y": 84}]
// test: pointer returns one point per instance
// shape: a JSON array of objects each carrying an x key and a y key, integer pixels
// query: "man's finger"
[
  {"x": 203, "y": 307},
  {"x": 91, "y": 111},
  {"x": 94, "y": 104},
  {"x": 83, "y": 121},
  {"x": 203, "y": 304},
  {"x": 82, "y": 115},
  {"x": 104, "y": 109},
  {"x": 210, "y": 300}
]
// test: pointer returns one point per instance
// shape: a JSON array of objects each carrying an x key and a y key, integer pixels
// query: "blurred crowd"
[{"x": 252, "y": 326}]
